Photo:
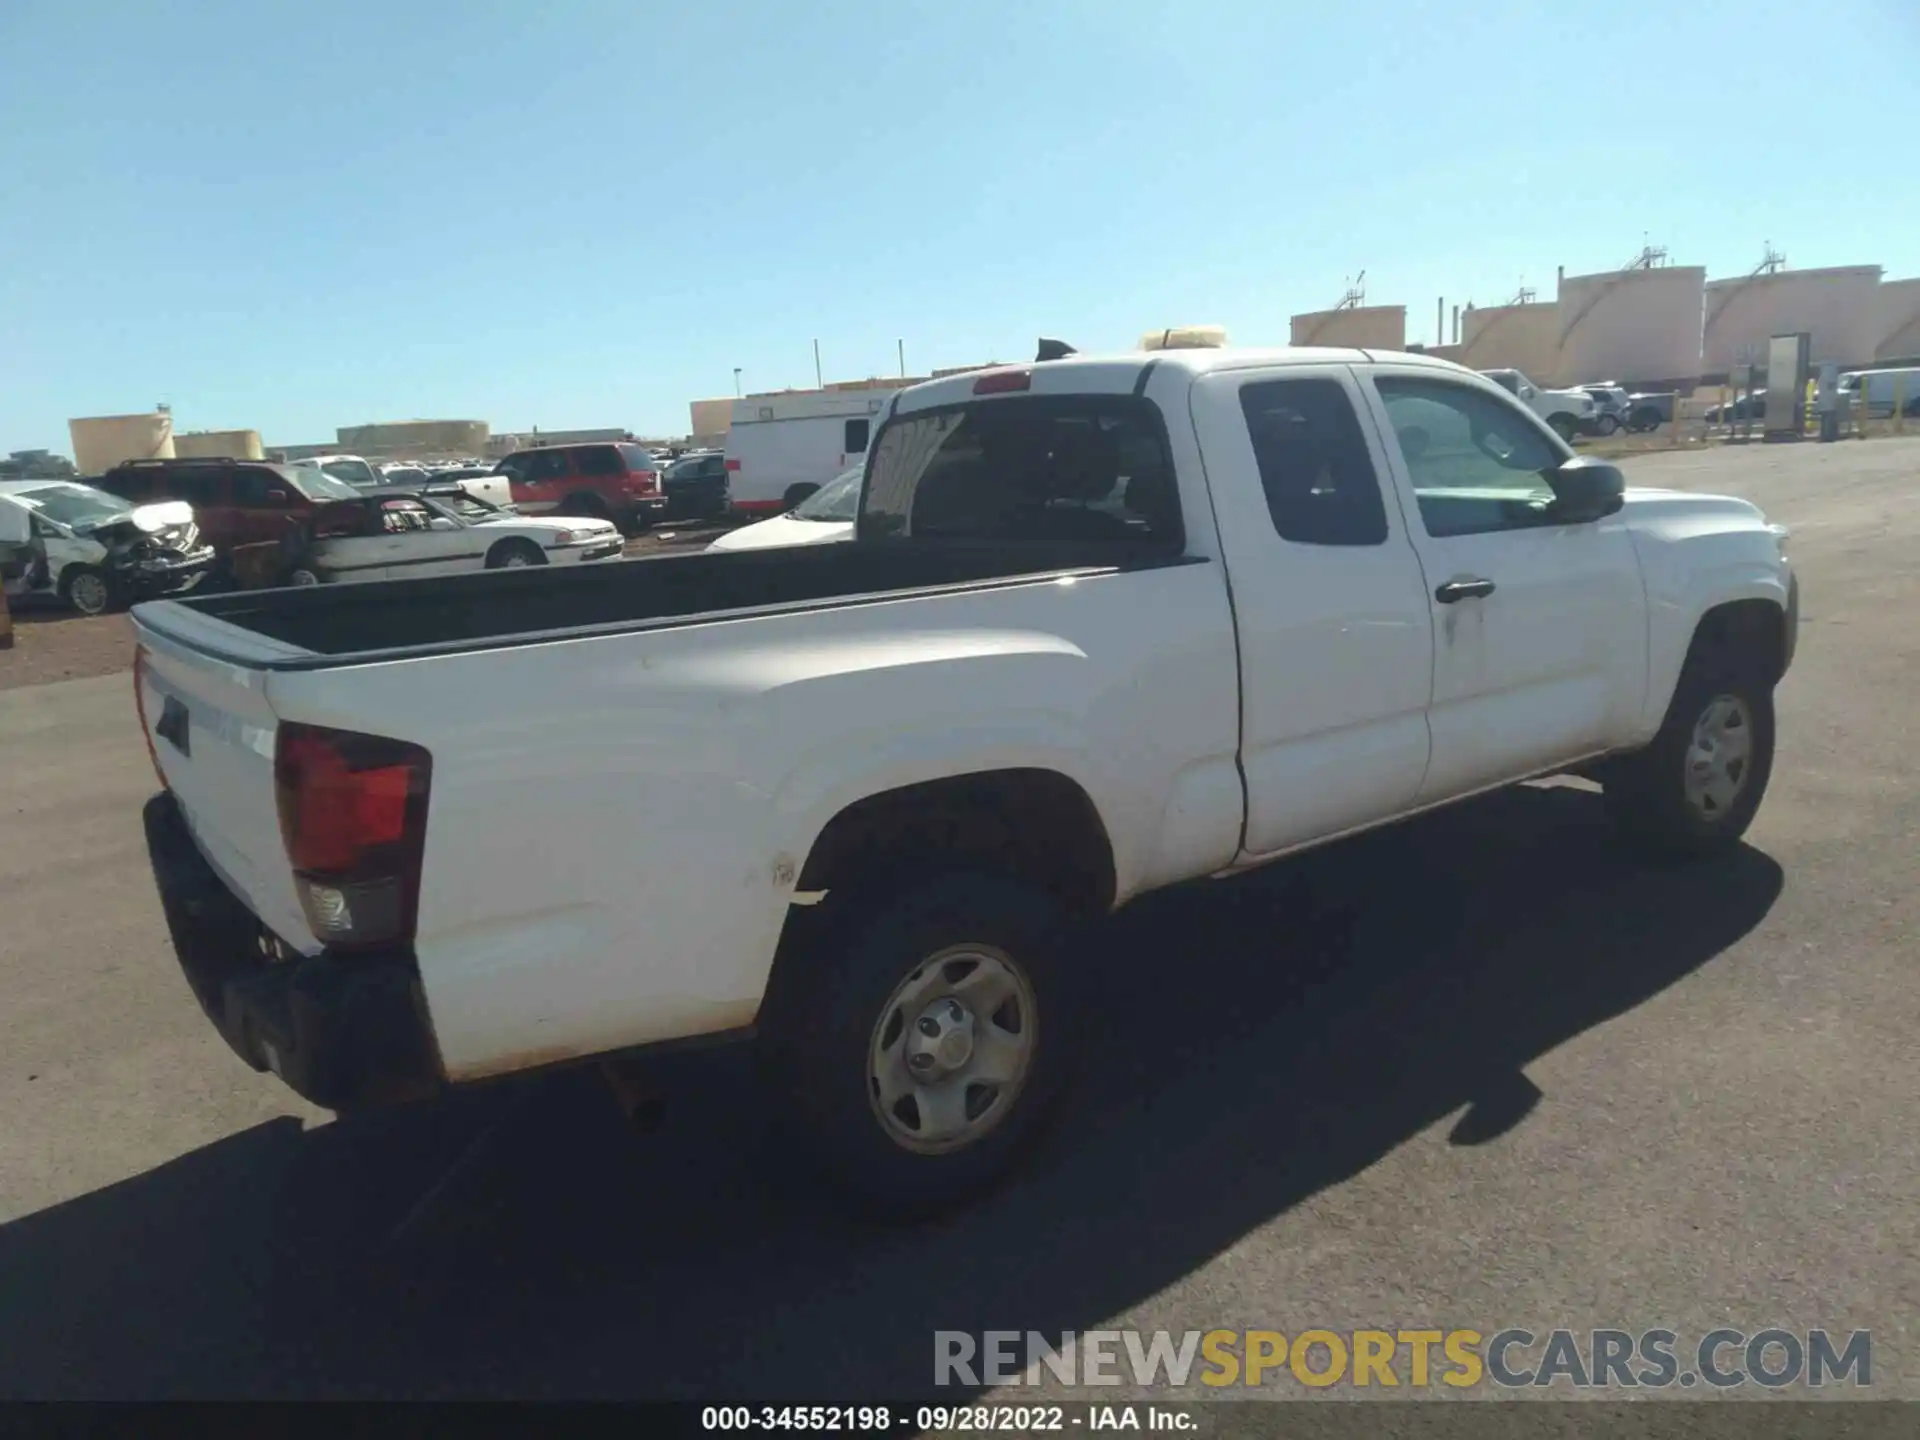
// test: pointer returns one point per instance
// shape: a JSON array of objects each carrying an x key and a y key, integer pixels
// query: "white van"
[
  {"x": 1878, "y": 389},
  {"x": 782, "y": 448}
]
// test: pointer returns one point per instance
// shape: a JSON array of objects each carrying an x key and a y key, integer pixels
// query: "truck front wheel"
[
  {"x": 920, "y": 1044},
  {"x": 1564, "y": 426},
  {"x": 1696, "y": 788}
]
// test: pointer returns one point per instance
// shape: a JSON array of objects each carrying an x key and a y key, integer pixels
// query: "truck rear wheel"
[
  {"x": 1696, "y": 788},
  {"x": 921, "y": 1044}
]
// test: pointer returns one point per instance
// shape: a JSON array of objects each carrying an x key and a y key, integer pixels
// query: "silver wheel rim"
[
  {"x": 89, "y": 594},
  {"x": 952, "y": 1049},
  {"x": 305, "y": 577},
  {"x": 1719, "y": 757},
  {"x": 515, "y": 560}
]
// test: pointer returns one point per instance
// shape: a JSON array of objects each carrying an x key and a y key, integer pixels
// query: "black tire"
[
  {"x": 1646, "y": 793},
  {"x": 817, "y": 1042},
  {"x": 1643, "y": 420},
  {"x": 91, "y": 590},
  {"x": 1607, "y": 424},
  {"x": 796, "y": 494},
  {"x": 1563, "y": 425},
  {"x": 515, "y": 553}
]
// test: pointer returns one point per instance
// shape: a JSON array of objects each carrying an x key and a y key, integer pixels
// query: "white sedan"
[
  {"x": 826, "y": 515},
  {"x": 394, "y": 536}
]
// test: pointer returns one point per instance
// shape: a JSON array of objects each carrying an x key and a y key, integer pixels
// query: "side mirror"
[
  {"x": 276, "y": 497},
  {"x": 1526, "y": 392},
  {"x": 1586, "y": 489}
]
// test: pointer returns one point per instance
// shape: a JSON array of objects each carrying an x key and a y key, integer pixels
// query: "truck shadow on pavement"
[{"x": 1255, "y": 1042}]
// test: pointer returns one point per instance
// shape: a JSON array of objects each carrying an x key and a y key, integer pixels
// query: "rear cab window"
[
  {"x": 1312, "y": 456},
  {"x": 1089, "y": 469}
]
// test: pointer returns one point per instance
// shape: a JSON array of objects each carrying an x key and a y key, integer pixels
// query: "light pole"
[{"x": 736, "y": 381}]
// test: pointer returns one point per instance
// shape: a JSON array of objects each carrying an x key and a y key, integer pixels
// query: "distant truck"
[
  {"x": 1569, "y": 412},
  {"x": 782, "y": 448}
]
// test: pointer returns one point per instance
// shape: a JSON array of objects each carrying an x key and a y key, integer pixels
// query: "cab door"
[
  {"x": 1336, "y": 650},
  {"x": 1539, "y": 627}
]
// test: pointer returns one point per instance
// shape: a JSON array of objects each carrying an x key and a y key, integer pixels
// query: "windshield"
[
  {"x": 75, "y": 505},
  {"x": 838, "y": 499},
  {"x": 354, "y": 472},
  {"x": 462, "y": 505},
  {"x": 317, "y": 484},
  {"x": 440, "y": 506}
]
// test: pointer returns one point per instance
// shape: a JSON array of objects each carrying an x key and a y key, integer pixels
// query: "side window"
[
  {"x": 399, "y": 517},
  {"x": 134, "y": 485},
  {"x": 547, "y": 465},
  {"x": 1091, "y": 469},
  {"x": 855, "y": 440},
  {"x": 514, "y": 467},
  {"x": 598, "y": 460},
  {"x": 1477, "y": 462},
  {"x": 197, "y": 487},
  {"x": 252, "y": 489},
  {"x": 1320, "y": 484}
]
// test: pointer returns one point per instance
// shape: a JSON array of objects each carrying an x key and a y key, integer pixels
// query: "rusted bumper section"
[{"x": 345, "y": 1032}]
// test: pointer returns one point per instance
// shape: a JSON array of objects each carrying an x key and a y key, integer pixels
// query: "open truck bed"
[{"x": 322, "y": 626}]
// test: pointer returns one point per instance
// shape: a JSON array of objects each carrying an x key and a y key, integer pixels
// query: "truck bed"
[{"x": 335, "y": 624}]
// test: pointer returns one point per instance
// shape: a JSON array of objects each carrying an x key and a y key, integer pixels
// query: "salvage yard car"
[
  {"x": 95, "y": 551},
  {"x": 826, "y": 515},
  {"x": 1104, "y": 625},
  {"x": 396, "y": 533}
]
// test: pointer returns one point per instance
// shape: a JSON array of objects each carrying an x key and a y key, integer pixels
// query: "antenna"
[{"x": 1356, "y": 292}]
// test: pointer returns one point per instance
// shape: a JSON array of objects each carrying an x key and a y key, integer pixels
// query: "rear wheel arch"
[{"x": 1032, "y": 824}]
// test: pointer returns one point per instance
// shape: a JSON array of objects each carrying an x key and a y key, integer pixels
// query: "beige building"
[
  {"x": 101, "y": 442},
  {"x": 1899, "y": 320},
  {"x": 213, "y": 444},
  {"x": 415, "y": 439},
  {"x": 1365, "y": 327},
  {"x": 1634, "y": 325},
  {"x": 1838, "y": 307},
  {"x": 1513, "y": 337}
]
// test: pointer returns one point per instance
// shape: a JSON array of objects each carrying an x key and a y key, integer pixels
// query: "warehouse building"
[{"x": 415, "y": 439}]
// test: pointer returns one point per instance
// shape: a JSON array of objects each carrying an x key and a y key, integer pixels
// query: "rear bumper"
[{"x": 344, "y": 1032}]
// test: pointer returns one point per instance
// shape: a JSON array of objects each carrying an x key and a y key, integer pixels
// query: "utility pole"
[
  {"x": 903, "y": 357},
  {"x": 819, "y": 381},
  {"x": 736, "y": 381}
]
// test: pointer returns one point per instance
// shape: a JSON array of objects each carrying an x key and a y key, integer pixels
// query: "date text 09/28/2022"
[{"x": 881, "y": 1419}]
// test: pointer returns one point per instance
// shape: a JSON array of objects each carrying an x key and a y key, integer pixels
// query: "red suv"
[
  {"x": 618, "y": 482},
  {"x": 235, "y": 502}
]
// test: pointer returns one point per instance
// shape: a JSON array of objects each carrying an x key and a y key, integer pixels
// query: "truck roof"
[{"x": 1118, "y": 374}]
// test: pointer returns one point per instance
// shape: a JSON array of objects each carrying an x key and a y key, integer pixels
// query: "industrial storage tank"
[
  {"x": 212, "y": 444},
  {"x": 101, "y": 442},
  {"x": 1899, "y": 321},
  {"x": 418, "y": 438},
  {"x": 1364, "y": 327},
  {"x": 1838, "y": 307},
  {"x": 1639, "y": 327},
  {"x": 1513, "y": 337}
]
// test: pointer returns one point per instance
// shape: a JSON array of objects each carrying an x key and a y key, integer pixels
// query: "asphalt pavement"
[{"x": 1473, "y": 1072}]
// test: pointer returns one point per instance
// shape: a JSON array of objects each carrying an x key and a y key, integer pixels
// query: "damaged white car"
[
  {"x": 93, "y": 550},
  {"x": 405, "y": 534}
]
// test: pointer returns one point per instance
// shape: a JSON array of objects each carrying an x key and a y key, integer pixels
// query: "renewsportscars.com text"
[{"x": 1512, "y": 1358}]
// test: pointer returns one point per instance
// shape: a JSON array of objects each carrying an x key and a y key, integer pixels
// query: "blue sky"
[{"x": 586, "y": 212}]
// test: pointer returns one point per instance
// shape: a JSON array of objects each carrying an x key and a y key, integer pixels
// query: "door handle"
[{"x": 1454, "y": 590}]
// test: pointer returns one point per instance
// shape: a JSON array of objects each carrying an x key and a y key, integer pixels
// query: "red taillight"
[
  {"x": 140, "y": 708},
  {"x": 1003, "y": 382},
  {"x": 733, "y": 464},
  {"x": 644, "y": 481},
  {"x": 353, "y": 817}
]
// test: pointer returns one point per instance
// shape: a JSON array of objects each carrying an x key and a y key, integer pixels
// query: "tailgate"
[{"x": 212, "y": 733}]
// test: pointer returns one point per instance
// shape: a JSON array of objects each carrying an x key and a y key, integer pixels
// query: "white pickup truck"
[
  {"x": 1105, "y": 625},
  {"x": 1568, "y": 412}
]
